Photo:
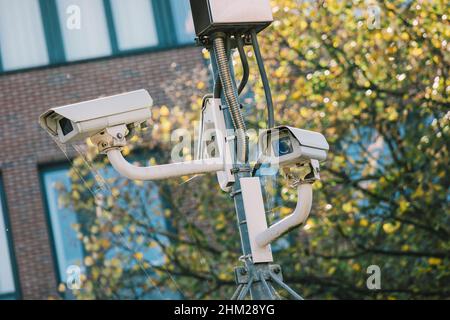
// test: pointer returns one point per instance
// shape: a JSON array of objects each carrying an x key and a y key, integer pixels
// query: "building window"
[
  {"x": 42, "y": 32},
  {"x": 134, "y": 24},
  {"x": 83, "y": 28},
  {"x": 8, "y": 279},
  {"x": 68, "y": 247},
  {"x": 22, "y": 38},
  {"x": 184, "y": 25}
]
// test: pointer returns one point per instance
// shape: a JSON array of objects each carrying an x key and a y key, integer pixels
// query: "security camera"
[
  {"x": 286, "y": 146},
  {"x": 82, "y": 120}
]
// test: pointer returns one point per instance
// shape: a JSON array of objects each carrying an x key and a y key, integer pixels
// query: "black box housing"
[{"x": 236, "y": 18}]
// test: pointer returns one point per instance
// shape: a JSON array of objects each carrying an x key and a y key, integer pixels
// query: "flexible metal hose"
[{"x": 231, "y": 97}]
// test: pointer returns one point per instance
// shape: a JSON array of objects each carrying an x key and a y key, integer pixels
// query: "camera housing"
[
  {"x": 284, "y": 145},
  {"x": 238, "y": 16},
  {"x": 82, "y": 120}
]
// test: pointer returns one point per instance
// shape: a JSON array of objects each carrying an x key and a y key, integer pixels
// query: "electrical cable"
[
  {"x": 244, "y": 61},
  {"x": 265, "y": 80},
  {"x": 217, "y": 87}
]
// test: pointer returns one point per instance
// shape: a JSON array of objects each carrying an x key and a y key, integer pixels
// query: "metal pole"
[{"x": 257, "y": 289}]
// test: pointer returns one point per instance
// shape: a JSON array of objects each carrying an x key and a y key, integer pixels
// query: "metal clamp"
[
  {"x": 110, "y": 138},
  {"x": 302, "y": 173},
  {"x": 272, "y": 275},
  {"x": 241, "y": 169},
  {"x": 242, "y": 276},
  {"x": 234, "y": 193}
]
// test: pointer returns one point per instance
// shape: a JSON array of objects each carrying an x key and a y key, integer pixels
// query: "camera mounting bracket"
[
  {"x": 110, "y": 138},
  {"x": 302, "y": 173}
]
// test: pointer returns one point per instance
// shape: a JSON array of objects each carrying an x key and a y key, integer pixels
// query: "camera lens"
[
  {"x": 66, "y": 126},
  {"x": 283, "y": 146}
]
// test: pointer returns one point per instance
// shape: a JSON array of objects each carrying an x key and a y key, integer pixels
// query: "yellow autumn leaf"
[
  {"x": 126, "y": 150},
  {"x": 304, "y": 112},
  {"x": 105, "y": 244},
  {"x": 285, "y": 211},
  {"x": 164, "y": 111},
  {"x": 115, "y": 262},
  {"x": 140, "y": 239},
  {"x": 138, "y": 183},
  {"x": 303, "y": 25},
  {"x": 88, "y": 261},
  {"x": 166, "y": 126},
  {"x": 62, "y": 287},
  {"x": 403, "y": 206},
  {"x": 75, "y": 195},
  {"x": 393, "y": 115},
  {"x": 152, "y": 244},
  {"x": 139, "y": 256},
  {"x": 363, "y": 222},
  {"x": 201, "y": 85},
  {"x": 391, "y": 227},
  {"x": 347, "y": 207},
  {"x": 117, "y": 228},
  {"x": 223, "y": 276},
  {"x": 134, "y": 139},
  {"x": 332, "y": 270},
  {"x": 115, "y": 192},
  {"x": 418, "y": 193},
  {"x": 416, "y": 52},
  {"x": 356, "y": 267},
  {"x": 434, "y": 261},
  {"x": 94, "y": 229},
  {"x": 220, "y": 225},
  {"x": 95, "y": 273}
]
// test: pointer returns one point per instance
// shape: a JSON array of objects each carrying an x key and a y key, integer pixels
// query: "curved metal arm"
[
  {"x": 299, "y": 216},
  {"x": 164, "y": 171}
]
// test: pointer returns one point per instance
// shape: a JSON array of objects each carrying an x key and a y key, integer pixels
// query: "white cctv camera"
[
  {"x": 82, "y": 120},
  {"x": 286, "y": 146}
]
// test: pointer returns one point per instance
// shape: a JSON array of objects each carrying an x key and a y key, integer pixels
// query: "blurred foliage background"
[{"x": 380, "y": 94}]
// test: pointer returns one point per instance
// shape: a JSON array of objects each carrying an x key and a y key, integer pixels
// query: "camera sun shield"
[
  {"x": 285, "y": 145},
  {"x": 82, "y": 120}
]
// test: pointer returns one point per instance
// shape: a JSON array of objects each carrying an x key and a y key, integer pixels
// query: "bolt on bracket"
[
  {"x": 110, "y": 138},
  {"x": 242, "y": 276}
]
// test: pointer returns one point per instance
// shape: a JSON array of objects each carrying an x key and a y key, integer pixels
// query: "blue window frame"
[
  {"x": 83, "y": 28},
  {"x": 68, "y": 248},
  {"x": 135, "y": 25},
  {"x": 184, "y": 25},
  {"x": 22, "y": 40},
  {"x": 55, "y": 32},
  {"x": 9, "y": 284}
]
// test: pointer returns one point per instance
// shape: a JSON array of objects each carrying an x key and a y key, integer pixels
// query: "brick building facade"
[{"x": 25, "y": 148}]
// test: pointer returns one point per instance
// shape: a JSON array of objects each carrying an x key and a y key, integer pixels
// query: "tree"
[{"x": 379, "y": 93}]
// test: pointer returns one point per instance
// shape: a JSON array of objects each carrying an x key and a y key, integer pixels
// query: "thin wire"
[
  {"x": 109, "y": 189},
  {"x": 217, "y": 87},
  {"x": 102, "y": 185},
  {"x": 129, "y": 248}
]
